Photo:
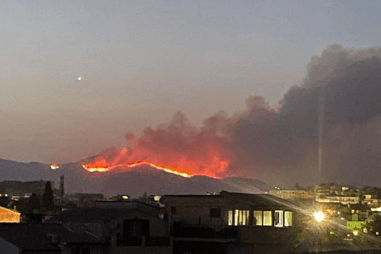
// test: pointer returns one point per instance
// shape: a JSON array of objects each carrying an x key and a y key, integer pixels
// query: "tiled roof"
[
  {"x": 37, "y": 236},
  {"x": 89, "y": 215},
  {"x": 260, "y": 200}
]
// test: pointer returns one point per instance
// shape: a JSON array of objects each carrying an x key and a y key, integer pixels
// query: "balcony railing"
[
  {"x": 144, "y": 241},
  {"x": 194, "y": 231}
]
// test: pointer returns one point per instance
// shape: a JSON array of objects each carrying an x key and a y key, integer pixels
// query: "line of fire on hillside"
[{"x": 321, "y": 218}]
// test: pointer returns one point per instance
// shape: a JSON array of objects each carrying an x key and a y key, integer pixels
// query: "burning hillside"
[
  {"x": 179, "y": 148},
  {"x": 104, "y": 167}
]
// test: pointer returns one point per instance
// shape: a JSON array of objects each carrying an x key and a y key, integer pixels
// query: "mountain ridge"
[{"x": 133, "y": 182}]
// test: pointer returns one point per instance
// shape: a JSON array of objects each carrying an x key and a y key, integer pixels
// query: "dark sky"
[{"x": 78, "y": 75}]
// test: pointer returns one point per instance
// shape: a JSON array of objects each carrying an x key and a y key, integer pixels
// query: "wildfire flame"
[
  {"x": 178, "y": 148},
  {"x": 54, "y": 166},
  {"x": 185, "y": 167},
  {"x": 91, "y": 168}
]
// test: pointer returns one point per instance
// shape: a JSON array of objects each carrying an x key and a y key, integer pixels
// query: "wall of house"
[
  {"x": 7, "y": 215},
  {"x": 267, "y": 235},
  {"x": 199, "y": 216},
  {"x": 95, "y": 228},
  {"x": 8, "y": 248},
  {"x": 196, "y": 211},
  {"x": 157, "y": 226}
]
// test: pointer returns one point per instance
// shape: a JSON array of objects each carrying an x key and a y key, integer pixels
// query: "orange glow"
[
  {"x": 9, "y": 216},
  {"x": 189, "y": 168},
  {"x": 179, "y": 149},
  {"x": 91, "y": 168},
  {"x": 54, "y": 166},
  {"x": 95, "y": 169},
  {"x": 165, "y": 169}
]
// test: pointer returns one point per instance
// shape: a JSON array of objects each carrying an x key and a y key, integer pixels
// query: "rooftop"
[
  {"x": 37, "y": 237},
  {"x": 261, "y": 200},
  {"x": 101, "y": 214}
]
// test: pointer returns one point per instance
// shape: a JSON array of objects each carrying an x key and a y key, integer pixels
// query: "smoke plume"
[{"x": 279, "y": 144}]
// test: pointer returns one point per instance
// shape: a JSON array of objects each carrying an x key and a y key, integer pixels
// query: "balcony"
[
  {"x": 181, "y": 230},
  {"x": 144, "y": 241}
]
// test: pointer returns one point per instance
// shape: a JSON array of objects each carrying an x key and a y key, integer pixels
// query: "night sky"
[{"x": 78, "y": 75}]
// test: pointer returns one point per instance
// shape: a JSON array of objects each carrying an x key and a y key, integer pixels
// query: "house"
[
  {"x": 128, "y": 226},
  {"x": 293, "y": 194},
  {"x": 8, "y": 215},
  {"x": 47, "y": 238},
  {"x": 227, "y": 222},
  {"x": 84, "y": 199}
]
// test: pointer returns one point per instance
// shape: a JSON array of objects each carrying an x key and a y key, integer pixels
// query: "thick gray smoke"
[
  {"x": 285, "y": 147},
  {"x": 338, "y": 103}
]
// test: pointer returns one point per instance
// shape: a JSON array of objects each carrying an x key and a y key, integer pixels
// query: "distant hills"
[{"x": 133, "y": 182}]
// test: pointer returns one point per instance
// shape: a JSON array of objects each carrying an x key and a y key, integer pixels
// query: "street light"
[{"x": 319, "y": 216}]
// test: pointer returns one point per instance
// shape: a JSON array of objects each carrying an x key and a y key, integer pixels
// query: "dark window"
[
  {"x": 136, "y": 228},
  {"x": 215, "y": 212},
  {"x": 174, "y": 211}
]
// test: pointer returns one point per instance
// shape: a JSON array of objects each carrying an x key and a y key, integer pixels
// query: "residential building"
[
  {"x": 344, "y": 200},
  {"x": 293, "y": 194},
  {"x": 129, "y": 226},
  {"x": 228, "y": 222},
  {"x": 47, "y": 238}
]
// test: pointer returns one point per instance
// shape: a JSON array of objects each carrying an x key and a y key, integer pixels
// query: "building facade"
[{"x": 228, "y": 222}]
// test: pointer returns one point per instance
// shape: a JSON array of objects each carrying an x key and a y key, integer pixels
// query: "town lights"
[{"x": 319, "y": 216}]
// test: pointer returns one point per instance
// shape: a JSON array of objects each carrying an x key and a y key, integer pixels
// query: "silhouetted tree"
[
  {"x": 144, "y": 198},
  {"x": 33, "y": 203},
  {"x": 48, "y": 198}
]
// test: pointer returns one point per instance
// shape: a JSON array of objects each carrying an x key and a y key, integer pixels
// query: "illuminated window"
[
  {"x": 287, "y": 219},
  {"x": 241, "y": 217},
  {"x": 258, "y": 218},
  {"x": 267, "y": 218},
  {"x": 230, "y": 218},
  {"x": 278, "y": 218}
]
